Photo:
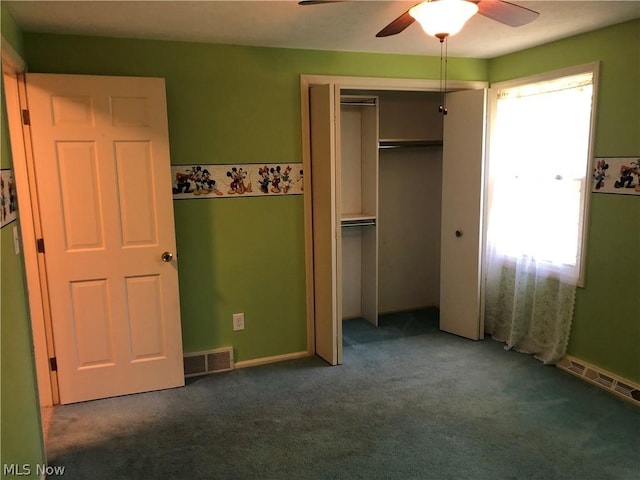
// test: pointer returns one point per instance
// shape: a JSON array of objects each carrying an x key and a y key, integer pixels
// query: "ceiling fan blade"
[
  {"x": 318, "y": 2},
  {"x": 397, "y": 26},
  {"x": 505, "y": 12}
]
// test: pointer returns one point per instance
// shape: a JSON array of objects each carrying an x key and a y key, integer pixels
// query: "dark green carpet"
[
  {"x": 409, "y": 402},
  {"x": 390, "y": 327}
]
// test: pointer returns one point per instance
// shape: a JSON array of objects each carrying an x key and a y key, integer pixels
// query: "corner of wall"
[{"x": 11, "y": 32}]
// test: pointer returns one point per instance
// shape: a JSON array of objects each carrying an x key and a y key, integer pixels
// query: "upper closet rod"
[
  {"x": 384, "y": 144},
  {"x": 372, "y": 103}
]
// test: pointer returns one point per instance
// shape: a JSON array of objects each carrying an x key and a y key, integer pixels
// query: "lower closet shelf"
[{"x": 358, "y": 223}]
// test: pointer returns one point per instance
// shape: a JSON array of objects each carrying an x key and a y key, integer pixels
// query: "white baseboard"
[
  {"x": 608, "y": 381},
  {"x": 276, "y": 358}
]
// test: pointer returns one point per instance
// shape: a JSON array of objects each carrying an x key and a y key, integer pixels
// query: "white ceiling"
[{"x": 347, "y": 26}]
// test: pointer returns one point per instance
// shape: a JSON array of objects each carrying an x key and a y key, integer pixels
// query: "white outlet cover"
[
  {"x": 238, "y": 321},
  {"x": 16, "y": 240}
]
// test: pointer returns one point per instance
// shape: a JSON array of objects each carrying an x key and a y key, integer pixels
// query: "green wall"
[
  {"x": 606, "y": 324},
  {"x": 10, "y": 30},
  {"x": 231, "y": 104},
  {"x": 21, "y": 433}
]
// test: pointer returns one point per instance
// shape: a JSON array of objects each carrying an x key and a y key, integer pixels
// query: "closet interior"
[{"x": 391, "y": 196}]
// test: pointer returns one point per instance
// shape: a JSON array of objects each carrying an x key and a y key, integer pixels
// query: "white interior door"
[
  {"x": 101, "y": 156},
  {"x": 325, "y": 162},
  {"x": 461, "y": 236}
]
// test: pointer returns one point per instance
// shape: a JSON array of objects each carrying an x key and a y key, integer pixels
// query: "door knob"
[
  {"x": 458, "y": 233},
  {"x": 166, "y": 256}
]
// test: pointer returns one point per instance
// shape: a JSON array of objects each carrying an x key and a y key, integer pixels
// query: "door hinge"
[
  {"x": 26, "y": 118},
  {"x": 53, "y": 364},
  {"x": 40, "y": 245}
]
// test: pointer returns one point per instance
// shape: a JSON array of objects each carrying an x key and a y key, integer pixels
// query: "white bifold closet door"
[
  {"x": 462, "y": 209},
  {"x": 325, "y": 184}
]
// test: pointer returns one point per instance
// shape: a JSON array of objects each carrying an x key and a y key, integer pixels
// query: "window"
[{"x": 539, "y": 165}]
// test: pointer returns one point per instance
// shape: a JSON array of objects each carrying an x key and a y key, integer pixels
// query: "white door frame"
[
  {"x": 13, "y": 69},
  {"x": 354, "y": 83}
]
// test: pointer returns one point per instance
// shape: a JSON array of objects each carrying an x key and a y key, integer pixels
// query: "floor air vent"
[
  {"x": 212, "y": 361},
  {"x": 603, "y": 379}
]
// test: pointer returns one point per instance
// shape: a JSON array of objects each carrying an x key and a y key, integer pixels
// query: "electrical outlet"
[
  {"x": 16, "y": 240},
  {"x": 238, "y": 321}
]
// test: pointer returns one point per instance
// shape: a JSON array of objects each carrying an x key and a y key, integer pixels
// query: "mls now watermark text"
[{"x": 26, "y": 469}]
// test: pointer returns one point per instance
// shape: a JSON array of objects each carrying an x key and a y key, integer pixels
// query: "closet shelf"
[
  {"x": 354, "y": 217},
  {"x": 407, "y": 143},
  {"x": 357, "y": 220}
]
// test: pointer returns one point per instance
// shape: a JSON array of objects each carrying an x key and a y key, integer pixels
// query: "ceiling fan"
[{"x": 504, "y": 12}]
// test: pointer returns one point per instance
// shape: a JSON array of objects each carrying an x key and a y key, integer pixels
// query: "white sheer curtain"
[{"x": 538, "y": 164}]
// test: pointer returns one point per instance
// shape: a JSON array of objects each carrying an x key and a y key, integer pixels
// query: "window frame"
[{"x": 594, "y": 69}]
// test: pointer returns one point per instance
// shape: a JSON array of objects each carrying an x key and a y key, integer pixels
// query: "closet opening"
[
  {"x": 391, "y": 198},
  {"x": 393, "y": 204}
]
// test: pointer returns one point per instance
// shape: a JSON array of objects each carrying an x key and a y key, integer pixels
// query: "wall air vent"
[
  {"x": 624, "y": 389},
  {"x": 211, "y": 361},
  {"x": 576, "y": 368},
  {"x": 601, "y": 378}
]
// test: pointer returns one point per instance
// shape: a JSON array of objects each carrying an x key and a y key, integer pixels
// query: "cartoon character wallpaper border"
[
  {"x": 7, "y": 197},
  {"x": 619, "y": 175},
  {"x": 236, "y": 180}
]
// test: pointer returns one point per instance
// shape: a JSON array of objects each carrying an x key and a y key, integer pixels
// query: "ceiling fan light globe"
[{"x": 441, "y": 18}]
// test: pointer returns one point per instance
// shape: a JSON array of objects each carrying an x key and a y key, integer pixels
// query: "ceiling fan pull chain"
[
  {"x": 446, "y": 72},
  {"x": 441, "y": 107},
  {"x": 443, "y": 91}
]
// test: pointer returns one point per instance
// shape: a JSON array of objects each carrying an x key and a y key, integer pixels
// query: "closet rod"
[
  {"x": 371, "y": 223},
  {"x": 390, "y": 144},
  {"x": 358, "y": 104}
]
